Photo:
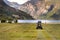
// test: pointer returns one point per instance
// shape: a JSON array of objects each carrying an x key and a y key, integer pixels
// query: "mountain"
[
  {"x": 36, "y": 8},
  {"x": 7, "y": 12},
  {"x": 41, "y": 9},
  {"x": 33, "y": 9}
]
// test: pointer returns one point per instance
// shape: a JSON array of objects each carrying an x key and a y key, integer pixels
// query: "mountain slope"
[
  {"x": 42, "y": 9},
  {"x": 7, "y": 12},
  {"x": 34, "y": 9}
]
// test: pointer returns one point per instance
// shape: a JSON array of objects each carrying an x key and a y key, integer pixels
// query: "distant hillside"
[
  {"x": 42, "y": 9},
  {"x": 39, "y": 9},
  {"x": 34, "y": 9},
  {"x": 55, "y": 13},
  {"x": 7, "y": 12}
]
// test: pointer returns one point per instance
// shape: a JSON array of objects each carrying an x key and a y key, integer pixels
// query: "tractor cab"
[{"x": 39, "y": 26}]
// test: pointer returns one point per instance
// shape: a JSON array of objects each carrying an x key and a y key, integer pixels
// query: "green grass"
[{"x": 29, "y": 32}]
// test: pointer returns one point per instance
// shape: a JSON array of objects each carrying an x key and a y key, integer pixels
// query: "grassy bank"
[{"x": 29, "y": 32}]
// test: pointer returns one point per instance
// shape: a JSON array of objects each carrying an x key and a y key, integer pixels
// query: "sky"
[{"x": 19, "y": 1}]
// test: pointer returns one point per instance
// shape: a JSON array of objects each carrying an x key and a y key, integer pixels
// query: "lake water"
[{"x": 43, "y": 21}]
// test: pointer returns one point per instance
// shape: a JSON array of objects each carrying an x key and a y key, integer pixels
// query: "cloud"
[{"x": 19, "y": 1}]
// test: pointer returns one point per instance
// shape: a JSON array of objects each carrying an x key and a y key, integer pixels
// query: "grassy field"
[{"x": 29, "y": 32}]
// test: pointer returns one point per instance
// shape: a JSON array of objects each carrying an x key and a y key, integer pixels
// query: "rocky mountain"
[
  {"x": 41, "y": 9},
  {"x": 34, "y": 9},
  {"x": 7, "y": 12}
]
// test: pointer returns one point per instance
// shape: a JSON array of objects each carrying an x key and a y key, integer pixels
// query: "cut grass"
[{"x": 29, "y": 32}]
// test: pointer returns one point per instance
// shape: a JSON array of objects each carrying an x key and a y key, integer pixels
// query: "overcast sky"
[{"x": 19, "y": 1}]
